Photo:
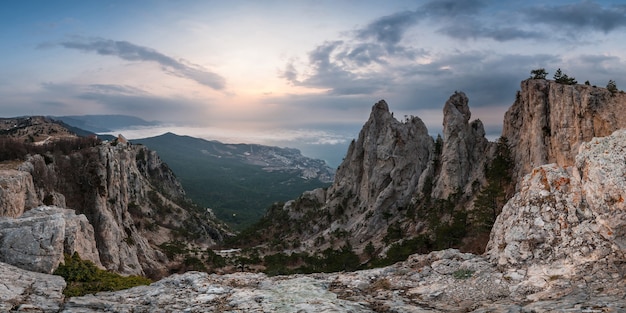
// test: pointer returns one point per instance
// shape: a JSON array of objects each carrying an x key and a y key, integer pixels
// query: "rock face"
[
  {"x": 17, "y": 193},
  {"x": 128, "y": 195},
  {"x": 37, "y": 240},
  {"x": 25, "y": 291},
  {"x": 548, "y": 121},
  {"x": 465, "y": 150},
  {"x": 383, "y": 168},
  {"x": 571, "y": 221},
  {"x": 392, "y": 176}
]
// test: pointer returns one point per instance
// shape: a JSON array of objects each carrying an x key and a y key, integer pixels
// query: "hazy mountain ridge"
[
  {"x": 104, "y": 123},
  {"x": 217, "y": 175}
]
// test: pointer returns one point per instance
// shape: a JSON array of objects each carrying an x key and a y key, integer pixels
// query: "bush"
[
  {"x": 463, "y": 274},
  {"x": 611, "y": 86},
  {"x": 83, "y": 277}
]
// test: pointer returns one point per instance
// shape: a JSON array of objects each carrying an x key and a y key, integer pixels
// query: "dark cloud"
[
  {"x": 451, "y": 8},
  {"x": 63, "y": 99},
  {"x": 582, "y": 15},
  {"x": 131, "y": 52},
  {"x": 389, "y": 29},
  {"x": 471, "y": 29}
]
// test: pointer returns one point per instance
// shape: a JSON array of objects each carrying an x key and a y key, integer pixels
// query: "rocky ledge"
[{"x": 443, "y": 281}]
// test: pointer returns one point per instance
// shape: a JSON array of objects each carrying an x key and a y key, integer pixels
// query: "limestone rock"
[
  {"x": 25, "y": 291},
  {"x": 548, "y": 121},
  {"x": 37, "y": 240},
  {"x": 17, "y": 193},
  {"x": 442, "y": 281},
  {"x": 382, "y": 169},
  {"x": 465, "y": 150},
  {"x": 568, "y": 222},
  {"x": 132, "y": 199}
]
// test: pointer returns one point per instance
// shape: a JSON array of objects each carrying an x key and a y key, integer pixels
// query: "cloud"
[
  {"x": 451, "y": 8},
  {"x": 471, "y": 29},
  {"x": 131, "y": 52},
  {"x": 389, "y": 29},
  {"x": 62, "y": 98},
  {"x": 582, "y": 15}
]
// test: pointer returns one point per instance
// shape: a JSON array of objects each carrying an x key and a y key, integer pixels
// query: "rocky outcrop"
[
  {"x": 38, "y": 239},
  {"x": 442, "y": 281},
  {"x": 26, "y": 291},
  {"x": 569, "y": 222},
  {"x": 465, "y": 150},
  {"x": 17, "y": 193},
  {"x": 382, "y": 169},
  {"x": 395, "y": 175},
  {"x": 548, "y": 121},
  {"x": 131, "y": 198}
]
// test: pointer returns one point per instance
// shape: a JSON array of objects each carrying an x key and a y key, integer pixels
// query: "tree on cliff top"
[
  {"x": 539, "y": 73},
  {"x": 561, "y": 78}
]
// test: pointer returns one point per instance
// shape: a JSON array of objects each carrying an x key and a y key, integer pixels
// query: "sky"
[{"x": 302, "y": 74}]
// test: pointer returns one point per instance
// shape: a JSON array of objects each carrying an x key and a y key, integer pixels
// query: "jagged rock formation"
[
  {"x": 39, "y": 238},
  {"x": 131, "y": 198},
  {"x": 395, "y": 175},
  {"x": 569, "y": 221},
  {"x": 381, "y": 171},
  {"x": 17, "y": 193},
  {"x": 465, "y": 150},
  {"x": 548, "y": 121}
]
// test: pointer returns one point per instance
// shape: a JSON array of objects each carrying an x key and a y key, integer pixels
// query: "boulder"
[
  {"x": 25, "y": 291},
  {"x": 38, "y": 240},
  {"x": 17, "y": 193},
  {"x": 568, "y": 221}
]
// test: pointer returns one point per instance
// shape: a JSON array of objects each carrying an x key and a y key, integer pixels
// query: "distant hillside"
[
  {"x": 103, "y": 123},
  {"x": 238, "y": 181}
]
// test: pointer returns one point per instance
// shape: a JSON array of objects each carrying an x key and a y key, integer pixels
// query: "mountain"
[
  {"x": 548, "y": 121},
  {"x": 218, "y": 175},
  {"x": 399, "y": 191},
  {"x": 103, "y": 123},
  {"x": 396, "y": 183},
  {"x": 558, "y": 246},
  {"x": 120, "y": 198}
]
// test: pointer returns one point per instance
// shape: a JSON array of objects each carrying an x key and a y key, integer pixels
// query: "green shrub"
[
  {"x": 83, "y": 277},
  {"x": 462, "y": 274}
]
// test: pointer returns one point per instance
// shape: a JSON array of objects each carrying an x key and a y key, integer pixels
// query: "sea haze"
[{"x": 330, "y": 146}]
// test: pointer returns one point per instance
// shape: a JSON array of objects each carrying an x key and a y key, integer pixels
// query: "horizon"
[{"x": 298, "y": 74}]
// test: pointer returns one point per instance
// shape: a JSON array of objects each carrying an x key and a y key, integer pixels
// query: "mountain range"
[
  {"x": 238, "y": 181},
  {"x": 541, "y": 211}
]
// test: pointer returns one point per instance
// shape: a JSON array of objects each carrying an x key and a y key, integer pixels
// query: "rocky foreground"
[
  {"x": 443, "y": 281},
  {"x": 558, "y": 246}
]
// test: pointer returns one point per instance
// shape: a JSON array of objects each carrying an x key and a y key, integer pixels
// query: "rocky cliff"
[
  {"x": 396, "y": 182},
  {"x": 131, "y": 198},
  {"x": 570, "y": 220},
  {"x": 127, "y": 204},
  {"x": 548, "y": 121},
  {"x": 17, "y": 193}
]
